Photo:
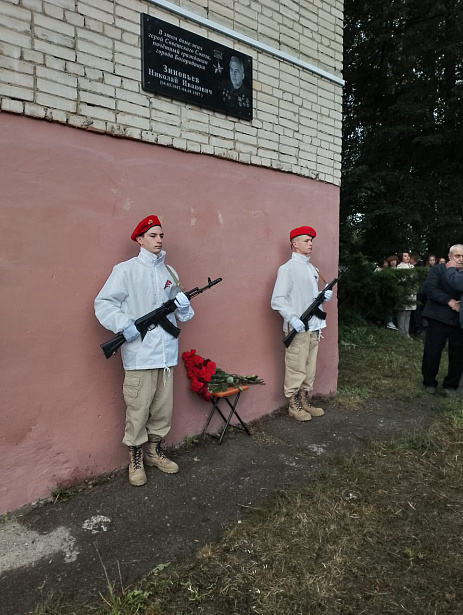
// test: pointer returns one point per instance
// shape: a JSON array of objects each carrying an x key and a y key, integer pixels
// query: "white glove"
[
  {"x": 131, "y": 333},
  {"x": 297, "y": 325},
  {"x": 182, "y": 302},
  {"x": 328, "y": 295}
]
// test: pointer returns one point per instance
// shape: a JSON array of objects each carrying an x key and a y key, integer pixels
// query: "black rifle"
[
  {"x": 153, "y": 319},
  {"x": 312, "y": 310}
]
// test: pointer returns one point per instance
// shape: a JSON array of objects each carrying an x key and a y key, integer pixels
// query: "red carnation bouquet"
[{"x": 206, "y": 378}]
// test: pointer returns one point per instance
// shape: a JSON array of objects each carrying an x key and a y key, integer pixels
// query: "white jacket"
[
  {"x": 295, "y": 289},
  {"x": 135, "y": 288},
  {"x": 412, "y": 305}
]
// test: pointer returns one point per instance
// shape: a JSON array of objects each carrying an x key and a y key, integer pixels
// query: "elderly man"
[
  {"x": 442, "y": 313},
  {"x": 295, "y": 289},
  {"x": 455, "y": 273}
]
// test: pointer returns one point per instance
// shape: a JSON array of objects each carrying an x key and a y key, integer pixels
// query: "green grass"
[
  {"x": 378, "y": 363},
  {"x": 189, "y": 442},
  {"x": 377, "y": 532},
  {"x": 62, "y": 494}
]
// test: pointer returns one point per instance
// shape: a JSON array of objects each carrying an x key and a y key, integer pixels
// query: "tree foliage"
[
  {"x": 371, "y": 294},
  {"x": 402, "y": 185}
]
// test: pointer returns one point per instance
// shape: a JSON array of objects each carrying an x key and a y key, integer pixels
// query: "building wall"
[
  {"x": 79, "y": 64},
  {"x": 227, "y": 191}
]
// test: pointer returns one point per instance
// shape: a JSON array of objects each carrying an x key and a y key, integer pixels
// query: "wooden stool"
[{"x": 215, "y": 398}]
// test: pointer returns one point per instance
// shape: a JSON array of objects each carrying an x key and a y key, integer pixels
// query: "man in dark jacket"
[
  {"x": 455, "y": 275},
  {"x": 442, "y": 313}
]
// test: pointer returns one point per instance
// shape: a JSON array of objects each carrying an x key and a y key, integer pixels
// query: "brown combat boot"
[
  {"x": 296, "y": 409},
  {"x": 305, "y": 399},
  {"x": 154, "y": 456},
  {"x": 137, "y": 476}
]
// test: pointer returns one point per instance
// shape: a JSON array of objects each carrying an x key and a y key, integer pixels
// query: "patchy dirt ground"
[{"x": 115, "y": 529}]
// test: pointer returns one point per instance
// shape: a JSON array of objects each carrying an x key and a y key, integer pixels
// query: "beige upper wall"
[{"x": 78, "y": 63}]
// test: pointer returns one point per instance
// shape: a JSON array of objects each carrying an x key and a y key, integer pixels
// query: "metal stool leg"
[
  {"x": 226, "y": 420},
  {"x": 233, "y": 412},
  {"x": 215, "y": 407}
]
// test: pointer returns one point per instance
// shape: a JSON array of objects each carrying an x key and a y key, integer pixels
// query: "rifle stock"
[
  {"x": 153, "y": 319},
  {"x": 112, "y": 346},
  {"x": 310, "y": 311}
]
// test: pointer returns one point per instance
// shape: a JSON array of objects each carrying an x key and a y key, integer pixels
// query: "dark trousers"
[
  {"x": 437, "y": 335},
  {"x": 416, "y": 324}
]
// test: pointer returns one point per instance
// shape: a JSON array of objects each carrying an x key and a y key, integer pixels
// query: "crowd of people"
[
  {"x": 409, "y": 319},
  {"x": 415, "y": 260},
  {"x": 436, "y": 309}
]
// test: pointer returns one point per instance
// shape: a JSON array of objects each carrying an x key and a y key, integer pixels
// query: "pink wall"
[{"x": 69, "y": 200}]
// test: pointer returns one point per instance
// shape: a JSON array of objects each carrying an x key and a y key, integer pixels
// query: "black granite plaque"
[{"x": 183, "y": 65}]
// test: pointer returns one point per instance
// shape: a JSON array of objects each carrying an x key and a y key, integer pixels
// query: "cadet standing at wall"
[
  {"x": 135, "y": 288},
  {"x": 295, "y": 289}
]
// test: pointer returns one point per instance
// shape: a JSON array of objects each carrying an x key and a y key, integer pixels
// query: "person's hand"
[
  {"x": 328, "y": 295},
  {"x": 451, "y": 263},
  {"x": 131, "y": 333},
  {"x": 182, "y": 302},
  {"x": 454, "y": 305},
  {"x": 297, "y": 325}
]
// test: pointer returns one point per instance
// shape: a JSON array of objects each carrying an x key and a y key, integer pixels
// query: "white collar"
[
  {"x": 300, "y": 258},
  {"x": 151, "y": 259}
]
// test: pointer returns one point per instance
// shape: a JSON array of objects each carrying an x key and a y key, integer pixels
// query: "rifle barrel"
[{"x": 197, "y": 291}]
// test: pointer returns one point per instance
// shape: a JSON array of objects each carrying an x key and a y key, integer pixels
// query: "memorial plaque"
[{"x": 183, "y": 65}]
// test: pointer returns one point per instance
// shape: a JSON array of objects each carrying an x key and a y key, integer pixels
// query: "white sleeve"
[
  {"x": 280, "y": 296},
  {"x": 108, "y": 303}
]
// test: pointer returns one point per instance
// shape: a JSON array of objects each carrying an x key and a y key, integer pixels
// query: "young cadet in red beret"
[
  {"x": 135, "y": 288},
  {"x": 295, "y": 289}
]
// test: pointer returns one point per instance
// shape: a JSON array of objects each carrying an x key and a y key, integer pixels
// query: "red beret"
[
  {"x": 144, "y": 225},
  {"x": 302, "y": 230}
]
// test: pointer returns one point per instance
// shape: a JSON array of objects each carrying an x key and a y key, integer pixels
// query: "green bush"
[{"x": 364, "y": 293}]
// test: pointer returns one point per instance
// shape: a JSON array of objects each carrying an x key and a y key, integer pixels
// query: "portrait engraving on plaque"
[{"x": 186, "y": 66}]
